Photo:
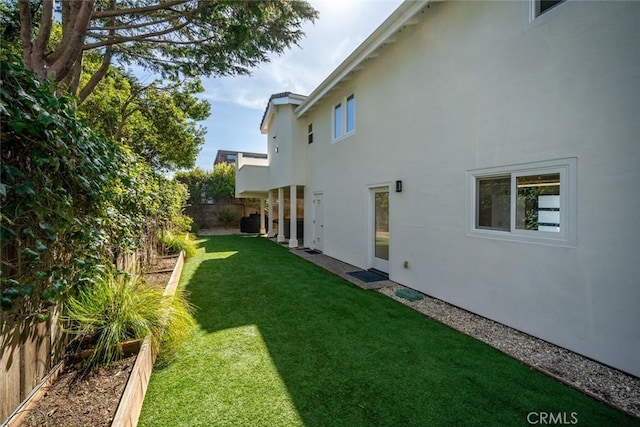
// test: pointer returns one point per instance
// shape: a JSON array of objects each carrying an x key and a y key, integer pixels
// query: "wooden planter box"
[{"x": 130, "y": 406}]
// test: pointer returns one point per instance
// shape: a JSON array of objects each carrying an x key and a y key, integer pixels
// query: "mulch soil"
[
  {"x": 91, "y": 398},
  {"x": 79, "y": 398}
]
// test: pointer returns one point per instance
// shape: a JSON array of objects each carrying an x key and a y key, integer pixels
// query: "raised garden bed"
[{"x": 106, "y": 396}]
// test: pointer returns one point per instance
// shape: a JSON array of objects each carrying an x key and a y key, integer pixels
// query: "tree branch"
[
  {"x": 121, "y": 39},
  {"x": 69, "y": 11},
  {"x": 97, "y": 76},
  {"x": 177, "y": 15},
  {"x": 137, "y": 10},
  {"x": 45, "y": 30},
  {"x": 75, "y": 75},
  {"x": 104, "y": 67},
  {"x": 25, "y": 31},
  {"x": 73, "y": 48}
]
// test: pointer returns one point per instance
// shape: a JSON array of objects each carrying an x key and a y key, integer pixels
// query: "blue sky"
[{"x": 237, "y": 103}]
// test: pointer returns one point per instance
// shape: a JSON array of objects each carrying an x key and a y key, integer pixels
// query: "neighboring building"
[
  {"x": 224, "y": 156},
  {"x": 484, "y": 153}
]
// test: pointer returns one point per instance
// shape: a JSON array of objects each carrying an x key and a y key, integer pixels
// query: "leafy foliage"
[
  {"x": 219, "y": 184},
  {"x": 176, "y": 242},
  {"x": 157, "y": 122},
  {"x": 226, "y": 217},
  {"x": 174, "y": 38},
  {"x": 224, "y": 181},
  {"x": 118, "y": 307},
  {"x": 72, "y": 200}
]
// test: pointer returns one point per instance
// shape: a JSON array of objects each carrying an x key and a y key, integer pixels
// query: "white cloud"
[{"x": 341, "y": 27}]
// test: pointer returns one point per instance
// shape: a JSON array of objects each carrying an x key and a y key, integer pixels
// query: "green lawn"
[{"x": 282, "y": 342}]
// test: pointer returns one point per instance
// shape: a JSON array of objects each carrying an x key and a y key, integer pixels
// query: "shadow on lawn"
[{"x": 354, "y": 357}]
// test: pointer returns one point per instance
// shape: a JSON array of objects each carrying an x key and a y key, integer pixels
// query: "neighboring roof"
[
  {"x": 402, "y": 17},
  {"x": 281, "y": 98},
  {"x": 244, "y": 153}
]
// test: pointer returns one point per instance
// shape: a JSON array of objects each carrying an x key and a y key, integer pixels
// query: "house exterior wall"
[
  {"x": 473, "y": 86},
  {"x": 286, "y": 166}
]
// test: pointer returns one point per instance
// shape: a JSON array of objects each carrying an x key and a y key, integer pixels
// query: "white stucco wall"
[
  {"x": 473, "y": 86},
  {"x": 286, "y": 167}
]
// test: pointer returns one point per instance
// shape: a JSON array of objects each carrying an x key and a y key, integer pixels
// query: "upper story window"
[
  {"x": 542, "y": 6},
  {"x": 337, "y": 121},
  {"x": 310, "y": 133},
  {"x": 344, "y": 117},
  {"x": 530, "y": 203},
  {"x": 351, "y": 114}
]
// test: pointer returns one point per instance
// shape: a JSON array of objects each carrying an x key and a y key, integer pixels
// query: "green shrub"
[
  {"x": 226, "y": 217},
  {"x": 182, "y": 223},
  {"x": 119, "y": 307},
  {"x": 174, "y": 243}
]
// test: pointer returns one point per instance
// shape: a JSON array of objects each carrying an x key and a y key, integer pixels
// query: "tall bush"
[{"x": 71, "y": 199}]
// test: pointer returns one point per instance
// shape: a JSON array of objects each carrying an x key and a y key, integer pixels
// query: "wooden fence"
[{"x": 28, "y": 350}]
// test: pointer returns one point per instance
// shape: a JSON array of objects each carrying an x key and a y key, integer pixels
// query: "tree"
[
  {"x": 203, "y": 186},
  {"x": 196, "y": 182},
  {"x": 224, "y": 181},
  {"x": 158, "y": 122},
  {"x": 174, "y": 38}
]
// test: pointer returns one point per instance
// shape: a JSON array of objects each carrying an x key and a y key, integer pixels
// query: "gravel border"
[{"x": 610, "y": 385}]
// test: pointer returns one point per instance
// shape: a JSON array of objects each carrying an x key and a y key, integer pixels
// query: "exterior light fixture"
[{"x": 398, "y": 186}]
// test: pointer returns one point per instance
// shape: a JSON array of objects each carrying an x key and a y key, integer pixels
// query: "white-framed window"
[
  {"x": 344, "y": 117},
  {"x": 351, "y": 113},
  {"x": 337, "y": 122},
  {"x": 537, "y": 9},
  {"x": 310, "y": 133},
  {"x": 533, "y": 202},
  {"x": 543, "y": 6}
]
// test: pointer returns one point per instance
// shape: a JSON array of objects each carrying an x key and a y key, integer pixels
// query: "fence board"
[{"x": 9, "y": 370}]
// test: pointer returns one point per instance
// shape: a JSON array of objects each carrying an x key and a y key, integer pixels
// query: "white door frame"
[
  {"x": 318, "y": 245},
  {"x": 372, "y": 261}
]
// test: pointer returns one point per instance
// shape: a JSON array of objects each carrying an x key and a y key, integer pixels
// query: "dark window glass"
[
  {"x": 545, "y": 5},
  {"x": 494, "y": 203}
]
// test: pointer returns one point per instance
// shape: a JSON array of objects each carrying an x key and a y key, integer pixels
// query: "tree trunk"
[{"x": 72, "y": 50}]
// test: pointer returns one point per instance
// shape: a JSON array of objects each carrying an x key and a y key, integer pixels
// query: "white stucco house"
[{"x": 486, "y": 153}]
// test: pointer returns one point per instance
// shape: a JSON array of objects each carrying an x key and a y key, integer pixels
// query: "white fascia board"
[
  {"x": 402, "y": 16},
  {"x": 292, "y": 98}
]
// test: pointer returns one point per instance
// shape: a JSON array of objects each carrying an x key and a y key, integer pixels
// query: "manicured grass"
[{"x": 282, "y": 342}]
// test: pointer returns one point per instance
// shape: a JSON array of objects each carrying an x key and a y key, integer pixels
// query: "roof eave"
[
  {"x": 286, "y": 98},
  {"x": 395, "y": 22}
]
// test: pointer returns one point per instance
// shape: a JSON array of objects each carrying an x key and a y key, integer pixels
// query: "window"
[
  {"x": 337, "y": 121},
  {"x": 344, "y": 117},
  {"x": 532, "y": 202},
  {"x": 351, "y": 114},
  {"x": 538, "y": 202},
  {"x": 538, "y": 8},
  {"x": 310, "y": 133},
  {"x": 542, "y": 6},
  {"x": 494, "y": 203}
]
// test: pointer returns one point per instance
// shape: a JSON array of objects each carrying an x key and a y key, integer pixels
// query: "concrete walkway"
[{"x": 339, "y": 268}]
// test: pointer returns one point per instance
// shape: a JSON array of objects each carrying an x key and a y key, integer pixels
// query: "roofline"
[
  {"x": 279, "y": 99},
  {"x": 395, "y": 22}
]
